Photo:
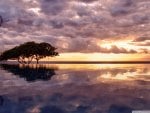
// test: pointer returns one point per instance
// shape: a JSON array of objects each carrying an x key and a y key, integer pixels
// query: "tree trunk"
[
  {"x": 30, "y": 59},
  {"x": 21, "y": 60},
  {"x": 37, "y": 61}
]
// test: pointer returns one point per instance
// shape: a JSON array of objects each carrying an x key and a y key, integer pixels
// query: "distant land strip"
[
  {"x": 97, "y": 62},
  {"x": 83, "y": 62}
]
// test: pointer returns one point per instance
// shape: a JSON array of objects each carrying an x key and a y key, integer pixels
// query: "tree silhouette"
[{"x": 28, "y": 51}]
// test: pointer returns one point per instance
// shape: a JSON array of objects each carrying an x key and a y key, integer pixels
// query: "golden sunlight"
[
  {"x": 98, "y": 57},
  {"x": 125, "y": 43}
]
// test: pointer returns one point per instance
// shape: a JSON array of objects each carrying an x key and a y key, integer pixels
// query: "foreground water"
[{"x": 74, "y": 88}]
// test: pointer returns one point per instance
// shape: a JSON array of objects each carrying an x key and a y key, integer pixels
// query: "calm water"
[{"x": 74, "y": 88}]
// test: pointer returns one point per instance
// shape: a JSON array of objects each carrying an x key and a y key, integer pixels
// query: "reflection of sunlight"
[
  {"x": 98, "y": 72},
  {"x": 35, "y": 109},
  {"x": 98, "y": 66},
  {"x": 98, "y": 57},
  {"x": 63, "y": 77},
  {"x": 125, "y": 76},
  {"x": 140, "y": 68}
]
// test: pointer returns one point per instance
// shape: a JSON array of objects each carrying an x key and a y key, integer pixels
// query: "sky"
[{"x": 80, "y": 29}]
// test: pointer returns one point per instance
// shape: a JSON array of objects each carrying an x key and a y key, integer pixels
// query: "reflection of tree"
[
  {"x": 30, "y": 74},
  {"x": 1, "y": 100}
]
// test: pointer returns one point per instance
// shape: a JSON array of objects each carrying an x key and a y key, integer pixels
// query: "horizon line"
[{"x": 86, "y": 62}]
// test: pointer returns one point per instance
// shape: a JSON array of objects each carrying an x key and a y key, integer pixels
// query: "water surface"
[{"x": 74, "y": 88}]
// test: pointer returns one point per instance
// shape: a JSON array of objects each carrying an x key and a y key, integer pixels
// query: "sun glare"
[{"x": 98, "y": 57}]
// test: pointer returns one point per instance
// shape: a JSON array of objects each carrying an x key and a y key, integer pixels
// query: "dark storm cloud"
[{"x": 71, "y": 25}]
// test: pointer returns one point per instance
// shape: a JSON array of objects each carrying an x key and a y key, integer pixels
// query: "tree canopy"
[{"x": 28, "y": 51}]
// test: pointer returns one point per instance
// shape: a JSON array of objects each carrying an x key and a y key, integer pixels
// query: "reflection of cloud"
[
  {"x": 120, "y": 109},
  {"x": 70, "y": 98},
  {"x": 77, "y": 74},
  {"x": 79, "y": 92},
  {"x": 53, "y": 109},
  {"x": 94, "y": 76}
]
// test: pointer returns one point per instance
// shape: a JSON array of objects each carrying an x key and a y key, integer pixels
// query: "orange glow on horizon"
[{"x": 98, "y": 57}]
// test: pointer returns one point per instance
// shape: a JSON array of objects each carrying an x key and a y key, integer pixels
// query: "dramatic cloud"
[
  {"x": 143, "y": 44},
  {"x": 53, "y": 6},
  {"x": 74, "y": 25},
  {"x": 121, "y": 7},
  {"x": 141, "y": 39}
]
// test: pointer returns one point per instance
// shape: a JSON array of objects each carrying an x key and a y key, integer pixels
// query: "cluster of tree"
[{"x": 25, "y": 53}]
